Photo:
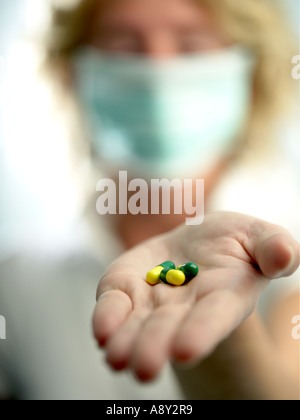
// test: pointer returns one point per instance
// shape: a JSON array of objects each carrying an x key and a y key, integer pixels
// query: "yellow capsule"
[
  {"x": 153, "y": 276},
  {"x": 176, "y": 277}
]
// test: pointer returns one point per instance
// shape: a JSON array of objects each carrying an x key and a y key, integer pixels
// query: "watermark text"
[
  {"x": 2, "y": 328},
  {"x": 296, "y": 69},
  {"x": 160, "y": 196},
  {"x": 296, "y": 328}
]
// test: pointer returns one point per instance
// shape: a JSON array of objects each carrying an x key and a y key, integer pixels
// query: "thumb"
[{"x": 276, "y": 252}]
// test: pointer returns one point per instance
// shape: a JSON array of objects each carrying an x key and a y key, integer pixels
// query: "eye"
[{"x": 118, "y": 42}]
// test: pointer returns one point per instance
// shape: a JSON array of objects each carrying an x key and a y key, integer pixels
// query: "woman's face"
[
  {"x": 156, "y": 28},
  {"x": 147, "y": 114}
]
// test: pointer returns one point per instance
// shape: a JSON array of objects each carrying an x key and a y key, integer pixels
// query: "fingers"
[
  {"x": 152, "y": 348},
  {"x": 210, "y": 322},
  {"x": 120, "y": 347},
  {"x": 143, "y": 342},
  {"x": 111, "y": 311},
  {"x": 278, "y": 256},
  {"x": 274, "y": 249}
]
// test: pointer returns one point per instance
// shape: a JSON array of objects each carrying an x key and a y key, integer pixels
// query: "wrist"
[{"x": 235, "y": 369}]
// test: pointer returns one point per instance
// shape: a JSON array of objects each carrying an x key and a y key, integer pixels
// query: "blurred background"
[
  {"x": 32, "y": 207},
  {"x": 43, "y": 207}
]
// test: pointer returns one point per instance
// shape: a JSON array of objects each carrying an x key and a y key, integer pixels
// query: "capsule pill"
[
  {"x": 190, "y": 270},
  {"x": 175, "y": 277},
  {"x": 163, "y": 275},
  {"x": 168, "y": 265},
  {"x": 153, "y": 276}
]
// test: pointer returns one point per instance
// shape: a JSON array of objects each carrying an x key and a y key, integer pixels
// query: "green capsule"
[
  {"x": 163, "y": 275},
  {"x": 190, "y": 270},
  {"x": 168, "y": 265}
]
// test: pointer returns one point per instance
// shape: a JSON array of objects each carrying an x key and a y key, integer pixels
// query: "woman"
[
  {"x": 169, "y": 55},
  {"x": 89, "y": 43}
]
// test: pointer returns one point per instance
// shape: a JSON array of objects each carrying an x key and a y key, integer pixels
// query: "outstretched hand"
[{"x": 142, "y": 326}]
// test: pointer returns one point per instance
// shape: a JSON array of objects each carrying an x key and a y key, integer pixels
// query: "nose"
[{"x": 159, "y": 45}]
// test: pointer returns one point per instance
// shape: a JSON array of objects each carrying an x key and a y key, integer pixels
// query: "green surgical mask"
[{"x": 169, "y": 117}]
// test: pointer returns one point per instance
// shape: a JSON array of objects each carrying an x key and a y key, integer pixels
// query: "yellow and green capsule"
[
  {"x": 163, "y": 275},
  {"x": 175, "y": 277},
  {"x": 153, "y": 276},
  {"x": 190, "y": 270}
]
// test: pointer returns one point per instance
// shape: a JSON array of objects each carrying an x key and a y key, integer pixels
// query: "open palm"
[{"x": 143, "y": 326}]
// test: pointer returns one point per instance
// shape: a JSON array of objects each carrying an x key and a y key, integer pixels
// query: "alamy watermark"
[
  {"x": 296, "y": 328},
  {"x": 296, "y": 69},
  {"x": 2, "y": 328},
  {"x": 159, "y": 196}
]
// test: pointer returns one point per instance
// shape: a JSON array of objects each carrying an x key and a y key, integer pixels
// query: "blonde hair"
[{"x": 257, "y": 24}]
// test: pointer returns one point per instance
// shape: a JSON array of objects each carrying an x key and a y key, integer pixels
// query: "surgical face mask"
[{"x": 165, "y": 118}]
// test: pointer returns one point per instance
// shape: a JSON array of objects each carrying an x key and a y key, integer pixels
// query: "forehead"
[{"x": 143, "y": 13}]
